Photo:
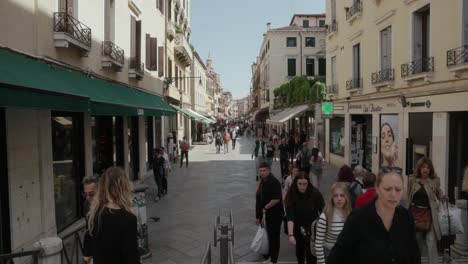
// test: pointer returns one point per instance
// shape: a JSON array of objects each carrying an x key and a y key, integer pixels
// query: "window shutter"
[
  {"x": 138, "y": 41},
  {"x": 154, "y": 54},
  {"x": 132, "y": 36},
  {"x": 161, "y": 6},
  {"x": 63, "y": 6},
  {"x": 161, "y": 61},
  {"x": 148, "y": 52}
]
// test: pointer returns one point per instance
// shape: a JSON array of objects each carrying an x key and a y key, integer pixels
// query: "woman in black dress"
[{"x": 111, "y": 236}]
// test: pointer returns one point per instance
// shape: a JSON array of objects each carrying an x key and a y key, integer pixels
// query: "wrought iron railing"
[
  {"x": 9, "y": 258},
  {"x": 417, "y": 66},
  {"x": 113, "y": 51},
  {"x": 383, "y": 76},
  {"x": 333, "y": 27},
  {"x": 332, "y": 89},
  {"x": 65, "y": 23},
  {"x": 354, "y": 9},
  {"x": 137, "y": 65},
  {"x": 354, "y": 84},
  {"x": 207, "y": 256},
  {"x": 72, "y": 243},
  {"x": 457, "y": 56}
]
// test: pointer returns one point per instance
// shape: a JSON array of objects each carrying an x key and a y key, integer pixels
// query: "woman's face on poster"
[{"x": 386, "y": 142}]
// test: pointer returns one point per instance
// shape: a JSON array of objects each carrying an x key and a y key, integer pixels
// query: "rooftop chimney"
[{"x": 268, "y": 26}]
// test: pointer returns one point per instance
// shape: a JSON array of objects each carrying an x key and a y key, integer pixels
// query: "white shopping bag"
[
  {"x": 450, "y": 215},
  {"x": 260, "y": 241}
]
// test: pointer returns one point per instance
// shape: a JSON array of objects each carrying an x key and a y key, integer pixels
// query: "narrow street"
[{"x": 212, "y": 182}]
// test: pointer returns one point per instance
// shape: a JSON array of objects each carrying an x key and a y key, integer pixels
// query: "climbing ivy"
[{"x": 300, "y": 90}]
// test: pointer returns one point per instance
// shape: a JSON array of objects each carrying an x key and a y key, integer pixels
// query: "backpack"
[
  {"x": 352, "y": 191},
  {"x": 184, "y": 146}
]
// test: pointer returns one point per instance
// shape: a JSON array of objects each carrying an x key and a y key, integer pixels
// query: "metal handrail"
[
  {"x": 332, "y": 89},
  {"x": 457, "y": 56},
  {"x": 64, "y": 22},
  {"x": 34, "y": 254},
  {"x": 417, "y": 66},
  {"x": 383, "y": 76},
  {"x": 113, "y": 51},
  {"x": 231, "y": 252},
  {"x": 77, "y": 246},
  {"x": 353, "y": 10},
  {"x": 207, "y": 256},
  {"x": 137, "y": 65},
  {"x": 333, "y": 27},
  {"x": 354, "y": 84}
]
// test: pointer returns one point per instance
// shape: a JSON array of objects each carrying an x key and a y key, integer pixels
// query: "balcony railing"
[
  {"x": 182, "y": 49},
  {"x": 333, "y": 27},
  {"x": 33, "y": 254},
  {"x": 113, "y": 51},
  {"x": 137, "y": 65},
  {"x": 332, "y": 89},
  {"x": 354, "y": 84},
  {"x": 65, "y": 23},
  {"x": 417, "y": 66},
  {"x": 356, "y": 8},
  {"x": 383, "y": 76},
  {"x": 457, "y": 56}
]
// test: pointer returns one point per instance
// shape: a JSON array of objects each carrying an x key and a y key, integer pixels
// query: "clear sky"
[{"x": 232, "y": 32}]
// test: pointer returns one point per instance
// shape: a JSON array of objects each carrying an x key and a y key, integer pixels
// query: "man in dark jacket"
[
  {"x": 259, "y": 156},
  {"x": 283, "y": 149},
  {"x": 158, "y": 170},
  {"x": 269, "y": 203}
]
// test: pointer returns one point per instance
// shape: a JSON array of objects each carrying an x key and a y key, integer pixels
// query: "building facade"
[
  {"x": 398, "y": 85},
  {"x": 80, "y": 91}
]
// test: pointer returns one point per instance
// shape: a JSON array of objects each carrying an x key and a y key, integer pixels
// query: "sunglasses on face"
[{"x": 388, "y": 169}]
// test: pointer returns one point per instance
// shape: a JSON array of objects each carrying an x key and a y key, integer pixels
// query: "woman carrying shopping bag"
[
  {"x": 304, "y": 203},
  {"x": 424, "y": 192}
]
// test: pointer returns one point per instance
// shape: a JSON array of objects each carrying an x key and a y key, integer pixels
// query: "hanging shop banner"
[{"x": 389, "y": 132}]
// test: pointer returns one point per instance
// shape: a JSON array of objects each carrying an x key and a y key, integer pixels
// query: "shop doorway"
[
  {"x": 119, "y": 142},
  {"x": 68, "y": 166},
  {"x": 149, "y": 142},
  {"x": 5, "y": 246},
  {"x": 133, "y": 146},
  {"x": 420, "y": 139},
  {"x": 103, "y": 145},
  {"x": 361, "y": 141},
  {"x": 458, "y": 152}
]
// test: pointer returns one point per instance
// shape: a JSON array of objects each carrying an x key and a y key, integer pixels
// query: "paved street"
[{"x": 212, "y": 182}]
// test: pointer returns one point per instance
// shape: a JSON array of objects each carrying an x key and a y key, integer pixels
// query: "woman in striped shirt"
[{"x": 331, "y": 221}]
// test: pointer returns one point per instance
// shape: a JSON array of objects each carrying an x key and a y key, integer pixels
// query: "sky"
[{"x": 231, "y": 32}]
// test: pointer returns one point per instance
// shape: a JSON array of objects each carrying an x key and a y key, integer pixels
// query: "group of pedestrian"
[
  {"x": 226, "y": 137},
  {"x": 363, "y": 219}
]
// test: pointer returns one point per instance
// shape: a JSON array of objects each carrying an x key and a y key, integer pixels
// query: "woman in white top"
[{"x": 331, "y": 221}]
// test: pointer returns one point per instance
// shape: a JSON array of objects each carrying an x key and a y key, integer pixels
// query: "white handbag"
[
  {"x": 450, "y": 220},
  {"x": 260, "y": 241}
]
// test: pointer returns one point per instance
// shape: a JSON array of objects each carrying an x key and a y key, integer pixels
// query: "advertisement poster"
[{"x": 389, "y": 132}]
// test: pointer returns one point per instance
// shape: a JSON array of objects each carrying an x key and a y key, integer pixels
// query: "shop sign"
[
  {"x": 140, "y": 112},
  {"x": 371, "y": 108}
]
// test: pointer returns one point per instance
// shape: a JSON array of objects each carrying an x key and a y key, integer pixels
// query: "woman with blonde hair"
[
  {"x": 423, "y": 192},
  {"x": 331, "y": 221},
  {"x": 111, "y": 236}
]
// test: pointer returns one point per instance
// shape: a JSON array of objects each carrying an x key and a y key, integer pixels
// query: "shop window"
[
  {"x": 5, "y": 246},
  {"x": 337, "y": 136},
  {"x": 67, "y": 153}
]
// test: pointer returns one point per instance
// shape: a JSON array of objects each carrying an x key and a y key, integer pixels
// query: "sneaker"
[{"x": 268, "y": 261}]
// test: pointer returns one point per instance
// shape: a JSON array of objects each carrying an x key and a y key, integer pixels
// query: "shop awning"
[
  {"x": 186, "y": 112},
  {"x": 33, "y": 83},
  {"x": 261, "y": 115},
  {"x": 287, "y": 114},
  {"x": 200, "y": 116},
  {"x": 212, "y": 118}
]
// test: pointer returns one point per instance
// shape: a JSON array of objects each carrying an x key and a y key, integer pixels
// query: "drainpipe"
[{"x": 300, "y": 45}]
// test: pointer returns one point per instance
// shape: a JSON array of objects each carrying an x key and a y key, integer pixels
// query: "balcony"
[
  {"x": 333, "y": 27},
  {"x": 112, "y": 55},
  {"x": 136, "y": 69},
  {"x": 457, "y": 59},
  {"x": 418, "y": 69},
  {"x": 383, "y": 78},
  {"x": 332, "y": 89},
  {"x": 69, "y": 31},
  {"x": 354, "y": 84},
  {"x": 171, "y": 30},
  {"x": 182, "y": 49},
  {"x": 354, "y": 11}
]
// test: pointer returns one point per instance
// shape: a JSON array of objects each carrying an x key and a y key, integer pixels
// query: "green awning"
[
  {"x": 47, "y": 81},
  {"x": 200, "y": 117},
  {"x": 185, "y": 112}
]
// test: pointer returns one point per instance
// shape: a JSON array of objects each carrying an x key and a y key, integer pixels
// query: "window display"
[{"x": 337, "y": 136}]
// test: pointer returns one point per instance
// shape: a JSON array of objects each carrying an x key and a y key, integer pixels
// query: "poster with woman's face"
[{"x": 389, "y": 140}]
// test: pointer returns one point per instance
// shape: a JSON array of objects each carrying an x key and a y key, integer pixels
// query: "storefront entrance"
[
  {"x": 68, "y": 160},
  {"x": 361, "y": 141},
  {"x": 5, "y": 246},
  {"x": 134, "y": 154},
  {"x": 420, "y": 139},
  {"x": 149, "y": 142},
  {"x": 458, "y": 152},
  {"x": 107, "y": 143}
]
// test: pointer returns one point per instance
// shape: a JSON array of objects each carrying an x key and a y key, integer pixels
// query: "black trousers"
[
  {"x": 234, "y": 143},
  {"x": 303, "y": 250},
  {"x": 158, "y": 179},
  {"x": 182, "y": 154},
  {"x": 284, "y": 166},
  {"x": 273, "y": 226}
]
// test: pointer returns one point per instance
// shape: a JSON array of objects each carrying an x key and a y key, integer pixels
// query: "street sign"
[{"x": 327, "y": 110}]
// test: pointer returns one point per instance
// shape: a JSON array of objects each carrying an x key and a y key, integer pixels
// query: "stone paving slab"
[{"x": 212, "y": 182}]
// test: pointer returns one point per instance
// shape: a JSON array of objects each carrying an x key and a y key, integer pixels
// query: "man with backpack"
[
  {"x": 355, "y": 189},
  {"x": 184, "y": 146}
]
